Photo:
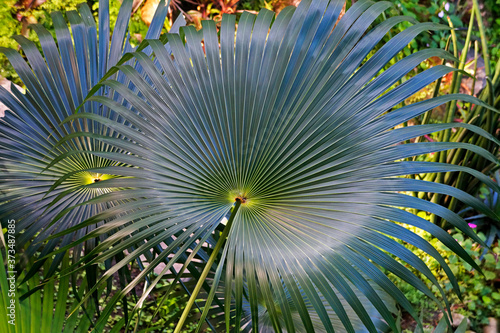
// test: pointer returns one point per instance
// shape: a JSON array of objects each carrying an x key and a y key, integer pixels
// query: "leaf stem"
[
  {"x": 484, "y": 43},
  {"x": 209, "y": 264}
]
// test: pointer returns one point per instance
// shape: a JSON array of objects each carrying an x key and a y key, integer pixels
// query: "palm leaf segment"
[
  {"x": 284, "y": 124},
  {"x": 56, "y": 85}
]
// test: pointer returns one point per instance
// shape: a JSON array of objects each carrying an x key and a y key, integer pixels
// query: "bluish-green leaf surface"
[
  {"x": 285, "y": 116},
  {"x": 57, "y": 81}
]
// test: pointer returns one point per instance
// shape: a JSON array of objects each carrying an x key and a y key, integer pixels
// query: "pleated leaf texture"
[
  {"x": 57, "y": 82},
  {"x": 281, "y": 134}
]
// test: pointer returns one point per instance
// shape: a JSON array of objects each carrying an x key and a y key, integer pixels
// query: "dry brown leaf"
[{"x": 148, "y": 11}]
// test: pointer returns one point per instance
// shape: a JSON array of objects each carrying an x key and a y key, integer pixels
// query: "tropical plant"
[
  {"x": 56, "y": 84},
  {"x": 468, "y": 113},
  {"x": 15, "y": 18},
  {"x": 269, "y": 158},
  {"x": 48, "y": 308},
  {"x": 490, "y": 227},
  {"x": 45, "y": 309},
  {"x": 282, "y": 140},
  {"x": 480, "y": 290}
]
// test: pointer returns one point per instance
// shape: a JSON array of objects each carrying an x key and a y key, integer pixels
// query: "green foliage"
[
  {"x": 434, "y": 11},
  {"x": 482, "y": 223},
  {"x": 45, "y": 308},
  {"x": 492, "y": 8},
  {"x": 9, "y": 26},
  {"x": 12, "y": 26},
  {"x": 15, "y": 20},
  {"x": 481, "y": 293}
]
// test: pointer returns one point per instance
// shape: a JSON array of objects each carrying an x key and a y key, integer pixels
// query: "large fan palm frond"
[
  {"x": 282, "y": 135},
  {"x": 56, "y": 84}
]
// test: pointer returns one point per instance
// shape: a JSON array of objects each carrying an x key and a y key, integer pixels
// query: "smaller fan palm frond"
[
  {"x": 280, "y": 145},
  {"x": 57, "y": 82}
]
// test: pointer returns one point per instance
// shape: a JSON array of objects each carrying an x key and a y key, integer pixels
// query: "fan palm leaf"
[
  {"x": 56, "y": 84},
  {"x": 283, "y": 136}
]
